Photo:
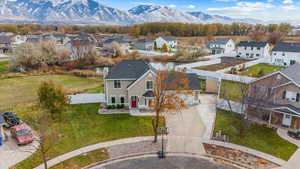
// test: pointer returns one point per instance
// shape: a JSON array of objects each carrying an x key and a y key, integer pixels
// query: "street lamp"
[{"x": 162, "y": 131}]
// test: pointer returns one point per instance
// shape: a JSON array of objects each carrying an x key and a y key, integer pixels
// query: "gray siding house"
[
  {"x": 144, "y": 44},
  {"x": 131, "y": 83}
]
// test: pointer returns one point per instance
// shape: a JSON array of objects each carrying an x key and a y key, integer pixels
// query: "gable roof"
[
  {"x": 219, "y": 41},
  {"x": 193, "y": 80},
  {"x": 287, "y": 47},
  {"x": 252, "y": 44},
  {"x": 144, "y": 41},
  {"x": 168, "y": 38},
  {"x": 293, "y": 73},
  {"x": 128, "y": 69}
]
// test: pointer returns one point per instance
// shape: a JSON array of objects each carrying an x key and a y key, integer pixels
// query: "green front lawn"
[
  {"x": 23, "y": 89},
  {"x": 82, "y": 126},
  {"x": 256, "y": 137},
  {"x": 260, "y": 70},
  {"x": 83, "y": 160},
  {"x": 231, "y": 90},
  {"x": 4, "y": 66}
]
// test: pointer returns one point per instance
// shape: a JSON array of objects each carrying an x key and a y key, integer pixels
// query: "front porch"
[{"x": 283, "y": 117}]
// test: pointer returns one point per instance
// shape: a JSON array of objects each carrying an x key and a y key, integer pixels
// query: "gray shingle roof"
[
  {"x": 293, "y": 72},
  {"x": 128, "y": 69},
  {"x": 169, "y": 38},
  {"x": 287, "y": 47},
  {"x": 219, "y": 41},
  {"x": 252, "y": 44},
  {"x": 194, "y": 81}
]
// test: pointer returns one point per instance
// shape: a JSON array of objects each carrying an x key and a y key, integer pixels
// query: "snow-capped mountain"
[
  {"x": 92, "y": 12},
  {"x": 156, "y": 13}
]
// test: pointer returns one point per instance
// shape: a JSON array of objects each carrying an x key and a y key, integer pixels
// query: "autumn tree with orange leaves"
[{"x": 168, "y": 95}]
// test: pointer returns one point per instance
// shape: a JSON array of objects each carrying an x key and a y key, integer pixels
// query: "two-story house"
[
  {"x": 144, "y": 44},
  {"x": 220, "y": 45},
  {"x": 170, "y": 41},
  {"x": 278, "y": 97},
  {"x": 131, "y": 83},
  {"x": 286, "y": 54},
  {"x": 253, "y": 49}
]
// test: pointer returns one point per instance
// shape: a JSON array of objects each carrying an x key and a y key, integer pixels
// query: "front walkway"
[{"x": 86, "y": 149}]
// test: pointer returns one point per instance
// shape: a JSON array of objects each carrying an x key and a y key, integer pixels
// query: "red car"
[{"x": 22, "y": 134}]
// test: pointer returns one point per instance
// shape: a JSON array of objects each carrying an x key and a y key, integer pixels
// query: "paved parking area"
[
  {"x": 171, "y": 162},
  {"x": 11, "y": 153}
]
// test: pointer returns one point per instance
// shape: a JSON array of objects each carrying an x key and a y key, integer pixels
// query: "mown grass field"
[
  {"x": 24, "y": 89},
  {"x": 4, "y": 63},
  {"x": 231, "y": 90},
  {"x": 256, "y": 137}
]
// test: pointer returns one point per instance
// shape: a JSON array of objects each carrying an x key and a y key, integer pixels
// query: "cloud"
[
  {"x": 190, "y": 6},
  {"x": 226, "y": 0},
  {"x": 244, "y": 7},
  {"x": 287, "y": 1},
  {"x": 172, "y": 6},
  {"x": 143, "y": 3},
  {"x": 289, "y": 7}
]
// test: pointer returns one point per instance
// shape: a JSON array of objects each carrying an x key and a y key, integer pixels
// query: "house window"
[
  {"x": 257, "y": 55},
  {"x": 245, "y": 48},
  {"x": 292, "y": 62},
  {"x": 251, "y": 48},
  {"x": 117, "y": 84},
  {"x": 258, "y": 48},
  {"x": 287, "y": 116},
  {"x": 113, "y": 100},
  {"x": 283, "y": 54},
  {"x": 274, "y": 54},
  {"x": 291, "y": 96},
  {"x": 247, "y": 54},
  {"x": 149, "y": 85},
  {"x": 122, "y": 99}
]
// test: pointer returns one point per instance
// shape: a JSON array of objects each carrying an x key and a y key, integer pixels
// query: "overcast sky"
[{"x": 259, "y": 9}]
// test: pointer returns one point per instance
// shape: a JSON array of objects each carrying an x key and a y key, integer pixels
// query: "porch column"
[{"x": 270, "y": 118}]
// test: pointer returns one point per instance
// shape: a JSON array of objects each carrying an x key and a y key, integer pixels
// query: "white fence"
[
  {"x": 221, "y": 76},
  {"x": 151, "y": 53},
  {"x": 231, "y": 54},
  {"x": 198, "y": 64},
  {"x": 247, "y": 64}
]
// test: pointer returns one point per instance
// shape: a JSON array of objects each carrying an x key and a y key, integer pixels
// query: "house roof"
[
  {"x": 168, "y": 38},
  {"x": 219, "y": 41},
  {"x": 287, "y": 108},
  {"x": 144, "y": 41},
  {"x": 2, "y": 121},
  {"x": 252, "y": 44},
  {"x": 292, "y": 72},
  {"x": 5, "y": 39},
  {"x": 128, "y": 69},
  {"x": 287, "y": 47},
  {"x": 193, "y": 80}
]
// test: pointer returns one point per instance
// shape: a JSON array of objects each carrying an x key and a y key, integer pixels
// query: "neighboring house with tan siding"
[
  {"x": 131, "y": 83},
  {"x": 280, "y": 104}
]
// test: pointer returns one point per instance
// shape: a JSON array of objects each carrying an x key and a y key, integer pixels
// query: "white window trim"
[
  {"x": 115, "y": 86},
  {"x": 152, "y": 85}
]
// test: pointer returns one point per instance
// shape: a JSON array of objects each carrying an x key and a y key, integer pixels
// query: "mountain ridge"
[{"x": 93, "y": 12}]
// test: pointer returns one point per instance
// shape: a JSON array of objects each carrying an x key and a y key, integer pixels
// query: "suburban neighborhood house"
[
  {"x": 144, "y": 44},
  {"x": 220, "y": 45},
  {"x": 170, "y": 41},
  {"x": 131, "y": 83},
  {"x": 278, "y": 97},
  {"x": 252, "y": 49},
  {"x": 286, "y": 54}
]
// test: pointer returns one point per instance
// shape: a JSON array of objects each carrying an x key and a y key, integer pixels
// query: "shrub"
[{"x": 85, "y": 73}]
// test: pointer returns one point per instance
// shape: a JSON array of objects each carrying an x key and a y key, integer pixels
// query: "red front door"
[{"x": 133, "y": 101}]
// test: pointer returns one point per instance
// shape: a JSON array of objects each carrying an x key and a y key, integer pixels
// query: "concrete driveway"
[
  {"x": 187, "y": 130},
  {"x": 11, "y": 153}
]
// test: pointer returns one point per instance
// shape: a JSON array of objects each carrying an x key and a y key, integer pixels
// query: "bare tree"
[
  {"x": 169, "y": 92},
  {"x": 44, "y": 135}
]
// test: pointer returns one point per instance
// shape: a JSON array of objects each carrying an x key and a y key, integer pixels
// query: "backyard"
[
  {"x": 3, "y": 66},
  {"x": 260, "y": 70},
  {"x": 23, "y": 89},
  {"x": 225, "y": 62},
  {"x": 256, "y": 137},
  {"x": 231, "y": 90},
  {"x": 81, "y": 125}
]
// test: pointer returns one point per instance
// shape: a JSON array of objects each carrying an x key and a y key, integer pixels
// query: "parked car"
[
  {"x": 22, "y": 134},
  {"x": 11, "y": 119}
]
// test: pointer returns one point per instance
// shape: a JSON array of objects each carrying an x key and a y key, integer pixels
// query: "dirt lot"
[{"x": 225, "y": 62}]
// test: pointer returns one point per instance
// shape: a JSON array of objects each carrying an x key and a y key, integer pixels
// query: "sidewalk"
[{"x": 86, "y": 149}]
